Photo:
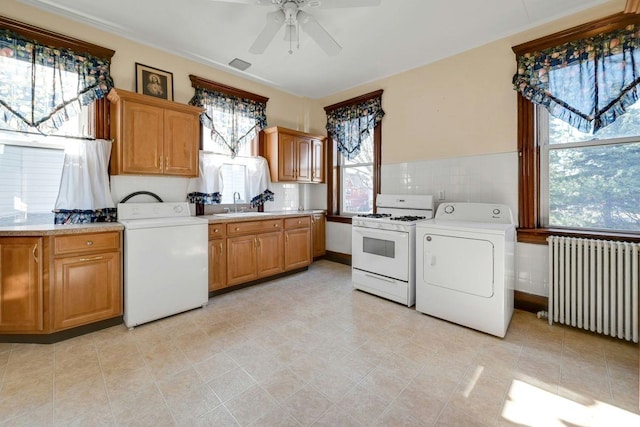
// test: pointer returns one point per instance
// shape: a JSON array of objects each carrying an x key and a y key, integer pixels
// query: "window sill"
[
  {"x": 539, "y": 236},
  {"x": 339, "y": 218}
]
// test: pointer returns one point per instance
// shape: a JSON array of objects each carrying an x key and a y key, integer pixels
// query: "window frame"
[
  {"x": 530, "y": 218},
  {"x": 333, "y": 176}
]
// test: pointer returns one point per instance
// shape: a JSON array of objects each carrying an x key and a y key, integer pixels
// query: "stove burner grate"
[
  {"x": 407, "y": 218},
  {"x": 374, "y": 215}
]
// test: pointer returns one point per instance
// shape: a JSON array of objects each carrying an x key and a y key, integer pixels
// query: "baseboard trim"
[
  {"x": 338, "y": 257},
  {"x": 55, "y": 337},
  {"x": 530, "y": 302}
]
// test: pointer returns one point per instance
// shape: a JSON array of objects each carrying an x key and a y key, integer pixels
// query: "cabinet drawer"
[
  {"x": 253, "y": 226},
  {"x": 217, "y": 230},
  {"x": 299, "y": 222},
  {"x": 86, "y": 242}
]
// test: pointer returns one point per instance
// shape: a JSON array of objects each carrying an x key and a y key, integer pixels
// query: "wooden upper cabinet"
[
  {"x": 317, "y": 156},
  {"x": 294, "y": 156},
  {"x": 153, "y": 136}
]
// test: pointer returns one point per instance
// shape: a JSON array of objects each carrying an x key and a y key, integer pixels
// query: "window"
[
  {"x": 572, "y": 183},
  {"x": 591, "y": 182},
  {"x": 30, "y": 172},
  {"x": 31, "y": 164},
  {"x": 354, "y": 183},
  {"x": 356, "y": 186}
]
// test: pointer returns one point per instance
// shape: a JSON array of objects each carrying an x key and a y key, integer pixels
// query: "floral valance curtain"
[
  {"x": 350, "y": 125},
  {"x": 41, "y": 87},
  {"x": 587, "y": 83},
  {"x": 232, "y": 120}
]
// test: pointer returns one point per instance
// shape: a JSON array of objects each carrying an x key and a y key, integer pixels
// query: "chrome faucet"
[{"x": 236, "y": 198}]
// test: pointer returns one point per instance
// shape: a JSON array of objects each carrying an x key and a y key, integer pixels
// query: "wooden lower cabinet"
[
  {"x": 53, "y": 283},
  {"x": 253, "y": 256},
  {"x": 21, "y": 285},
  {"x": 318, "y": 229},
  {"x": 297, "y": 243},
  {"x": 87, "y": 279},
  {"x": 87, "y": 288},
  {"x": 217, "y": 264}
]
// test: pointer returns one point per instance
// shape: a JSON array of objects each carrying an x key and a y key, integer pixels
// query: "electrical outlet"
[{"x": 441, "y": 195}]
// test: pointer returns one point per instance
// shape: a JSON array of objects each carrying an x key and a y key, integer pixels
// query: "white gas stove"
[{"x": 383, "y": 246}]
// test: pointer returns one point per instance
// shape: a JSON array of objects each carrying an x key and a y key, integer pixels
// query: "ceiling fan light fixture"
[{"x": 239, "y": 64}]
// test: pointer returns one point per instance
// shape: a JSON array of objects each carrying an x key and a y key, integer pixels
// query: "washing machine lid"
[{"x": 465, "y": 226}]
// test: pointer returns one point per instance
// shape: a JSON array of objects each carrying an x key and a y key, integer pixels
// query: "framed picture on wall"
[{"x": 154, "y": 82}]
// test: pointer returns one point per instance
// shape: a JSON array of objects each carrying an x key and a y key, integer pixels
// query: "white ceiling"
[{"x": 376, "y": 42}]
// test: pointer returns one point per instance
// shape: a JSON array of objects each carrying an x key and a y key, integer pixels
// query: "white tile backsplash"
[{"x": 490, "y": 178}]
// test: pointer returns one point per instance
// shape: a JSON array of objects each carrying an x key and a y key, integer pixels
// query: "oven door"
[{"x": 381, "y": 252}]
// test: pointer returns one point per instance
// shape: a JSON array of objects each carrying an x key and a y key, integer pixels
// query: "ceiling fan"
[{"x": 289, "y": 13}]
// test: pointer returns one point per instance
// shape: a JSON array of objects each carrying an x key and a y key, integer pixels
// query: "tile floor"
[{"x": 308, "y": 350}]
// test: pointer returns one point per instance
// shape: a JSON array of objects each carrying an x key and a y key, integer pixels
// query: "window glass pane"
[
  {"x": 365, "y": 155},
  {"x": 209, "y": 143},
  {"x": 233, "y": 177},
  {"x": 595, "y": 187},
  {"x": 627, "y": 125},
  {"x": 29, "y": 183},
  {"x": 357, "y": 189}
]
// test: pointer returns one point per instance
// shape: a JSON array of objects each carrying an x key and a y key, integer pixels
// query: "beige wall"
[
  {"x": 283, "y": 109},
  {"x": 460, "y": 106}
]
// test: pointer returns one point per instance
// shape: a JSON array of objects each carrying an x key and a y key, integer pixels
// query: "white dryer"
[{"x": 465, "y": 261}]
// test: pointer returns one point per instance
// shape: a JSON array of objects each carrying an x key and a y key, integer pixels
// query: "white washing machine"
[{"x": 465, "y": 261}]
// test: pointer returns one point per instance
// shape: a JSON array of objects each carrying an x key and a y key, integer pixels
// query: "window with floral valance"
[
  {"x": 587, "y": 83},
  {"x": 234, "y": 117},
  {"x": 352, "y": 124},
  {"x": 42, "y": 86}
]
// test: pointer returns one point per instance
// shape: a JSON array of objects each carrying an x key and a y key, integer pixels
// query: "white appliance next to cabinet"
[
  {"x": 465, "y": 266},
  {"x": 383, "y": 246},
  {"x": 165, "y": 260}
]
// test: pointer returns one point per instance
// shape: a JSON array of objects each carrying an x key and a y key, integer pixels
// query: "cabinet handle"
[
  {"x": 35, "y": 248},
  {"x": 160, "y": 161},
  {"x": 237, "y": 229},
  {"x": 275, "y": 225},
  {"x": 215, "y": 230},
  {"x": 95, "y": 258},
  {"x": 166, "y": 162},
  {"x": 257, "y": 243},
  {"x": 286, "y": 238},
  {"x": 220, "y": 248},
  {"x": 89, "y": 242}
]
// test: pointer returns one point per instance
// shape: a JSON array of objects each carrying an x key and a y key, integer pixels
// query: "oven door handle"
[{"x": 382, "y": 234}]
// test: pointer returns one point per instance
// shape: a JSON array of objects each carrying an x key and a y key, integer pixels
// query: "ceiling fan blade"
[
  {"x": 275, "y": 20},
  {"x": 311, "y": 26},
  {"x": 339, "y": 4}
]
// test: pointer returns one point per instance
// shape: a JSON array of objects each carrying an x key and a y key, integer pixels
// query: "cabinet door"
[
  {"x": 241, "y": 259},
  {"x": 270, "y": 259},
  {"x": 87, "y": 288},
  {"x": 317, "y": 160},
  {"x": 21, "y": 292},
  {"x": 217, "y": 264},
  {"x": 303, "y": 168},
  {"x": 297, "y": 248},
  {"x": 142, "y": 138},
  {"x": 287, "y": 160},
  {"x": 319, "y": 237},
  {"x": 181, "y": 136}
]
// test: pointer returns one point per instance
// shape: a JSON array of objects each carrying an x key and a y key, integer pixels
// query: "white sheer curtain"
[
  {"x": 84, "y": 194},
  {"x": 207, "y": 187}
]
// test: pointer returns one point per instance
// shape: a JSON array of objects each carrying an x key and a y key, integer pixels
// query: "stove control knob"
[
  {"x": 496, "y": 211},
  {"x": 449, "y": 209}
]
